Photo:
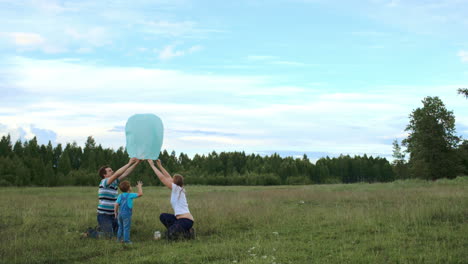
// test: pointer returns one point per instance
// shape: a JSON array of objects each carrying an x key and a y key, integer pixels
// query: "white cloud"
[
  {"x": 51, "y": 6},
  {"x": 95, "y": 36},
  {"x": 15, "y": 132},
  {"x": 194, "y": 49},
  {"x": 169, "y": 52},
  {"x": 61, "y": 26},
  {"x": 463, "y": 55},
  {"x": 23, "y": 39},
  {"x": 66, "y": 78},
  {"x": 27, "y": 41},
  {"x": 76, "y": 99},
  {"x": 84, "y": 50}
]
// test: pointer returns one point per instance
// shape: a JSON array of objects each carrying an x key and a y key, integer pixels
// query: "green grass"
[{"x": 400, "y": 222}]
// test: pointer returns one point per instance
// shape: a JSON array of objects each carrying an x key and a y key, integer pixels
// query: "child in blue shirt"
[{"x": 125, "y": 204}]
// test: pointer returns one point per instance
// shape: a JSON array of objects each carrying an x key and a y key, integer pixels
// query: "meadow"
[{"x": 410, "y": 221}]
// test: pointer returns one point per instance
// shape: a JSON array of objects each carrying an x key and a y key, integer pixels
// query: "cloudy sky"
[{"x": 321, "y": 77}]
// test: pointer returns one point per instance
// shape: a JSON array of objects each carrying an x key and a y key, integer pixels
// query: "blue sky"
[{"x": 288, "y": 76}]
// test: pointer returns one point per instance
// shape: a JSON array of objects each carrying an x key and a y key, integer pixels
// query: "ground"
[{"x": 400, "y": 222}]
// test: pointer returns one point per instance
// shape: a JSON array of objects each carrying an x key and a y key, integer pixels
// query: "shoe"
[{"x": 190, "y": 234}]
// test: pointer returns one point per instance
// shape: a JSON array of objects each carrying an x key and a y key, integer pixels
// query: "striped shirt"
[{"x": 107, "y": 197}]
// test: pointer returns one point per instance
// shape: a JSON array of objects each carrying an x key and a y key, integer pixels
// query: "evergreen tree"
[
  {"x": 47, "y": 153},
  {"x": 64, "y": 164},
  {"x": 184, "y": 161},
  {"x": 44, "y": 165},
  {"x": 37, "y": 168},
  {"x": 5, "y": 146},
  {"x": 7, "y": 171},
  {"x": 57, "y": 154},
  {"x": 323, "y": 173},
  {"x": 22, "y": 174},
  {"x": 75, "y": 153},
  {"x": 50, "y": 178},
  {"x": 89, "y": 155},
  {"x": 18, "y": 148},
  {"x": 31, "y": 148},
  {"x": 119, "y": 158}
]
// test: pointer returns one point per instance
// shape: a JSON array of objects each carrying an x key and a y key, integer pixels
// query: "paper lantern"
[{"x": 144, "y": 135}]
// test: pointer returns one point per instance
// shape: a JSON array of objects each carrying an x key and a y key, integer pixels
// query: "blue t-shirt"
[{"x": 129, "y": 196}]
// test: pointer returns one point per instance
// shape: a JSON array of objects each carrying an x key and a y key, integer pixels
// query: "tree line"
[
  {"x": 435, "y": 151},
  {"x": 30, "y": 164}
]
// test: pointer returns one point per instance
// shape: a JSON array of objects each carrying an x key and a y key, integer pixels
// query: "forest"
[
  {"x": 27, "y": 163},
  {"x": 435, "y": 151}
]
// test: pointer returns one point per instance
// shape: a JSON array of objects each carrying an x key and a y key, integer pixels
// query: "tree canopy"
[
  {"x": 463, "y": 91},
  {"x": 27, "y": 163},
  {"x": 431, "y": 141}
]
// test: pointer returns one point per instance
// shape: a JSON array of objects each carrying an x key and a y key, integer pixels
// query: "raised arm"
[
  {"x": 129, "y": 170},
  {"x": 120, "y": 171},
  {"x": 165, "y": 179},
  {"x": 163, "y": 170},
  {"x": 140, "y": 189}
]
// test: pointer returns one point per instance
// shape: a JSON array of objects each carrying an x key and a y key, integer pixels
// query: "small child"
[{"x": 125, "y": 202}]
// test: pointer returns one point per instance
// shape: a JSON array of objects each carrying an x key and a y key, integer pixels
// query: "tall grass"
[{"x": 400, "y": 222}]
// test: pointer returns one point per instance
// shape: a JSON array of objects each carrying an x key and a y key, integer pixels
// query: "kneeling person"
[
  {"x": 108, "y": 195},
  {"x": 180, "y": 223}
]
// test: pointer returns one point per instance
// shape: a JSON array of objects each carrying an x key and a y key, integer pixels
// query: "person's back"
[
  {"x": 107, "y": 194},
  {"x": 124, "y": 209},
  {"x": 178, "y": 200},
  {"x": 125, "y": 201},
  {"x": 181, "y": 222}
]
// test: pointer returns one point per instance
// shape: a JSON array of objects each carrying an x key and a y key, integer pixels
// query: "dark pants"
[
  {"x": 176, "y": 227},
  {"x": 108, "y": 224}
]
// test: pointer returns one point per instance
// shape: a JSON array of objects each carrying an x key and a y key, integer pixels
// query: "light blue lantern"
[{"x": 144, "y": 134}]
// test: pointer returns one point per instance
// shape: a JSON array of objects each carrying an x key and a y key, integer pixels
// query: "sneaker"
[
  {"x": 190, "y": 234},
  {"x": 165, "y": 235}
]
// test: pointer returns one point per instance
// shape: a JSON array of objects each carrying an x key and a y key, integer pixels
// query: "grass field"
[{"x": 400, "y": 222}]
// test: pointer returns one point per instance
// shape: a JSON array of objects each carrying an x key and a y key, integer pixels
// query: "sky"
[{"x": 320, "y": 77}]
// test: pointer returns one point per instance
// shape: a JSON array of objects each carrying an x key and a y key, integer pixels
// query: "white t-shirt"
[{"x": 178, "y": 200}]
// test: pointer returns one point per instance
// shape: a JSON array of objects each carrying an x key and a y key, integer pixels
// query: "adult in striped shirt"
[{"x": 108, "y": 195}]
